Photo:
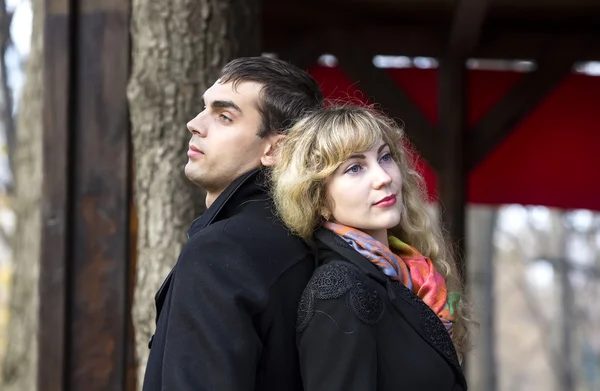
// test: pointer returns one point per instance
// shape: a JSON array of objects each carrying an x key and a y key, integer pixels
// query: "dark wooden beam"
[
  {"x": 466, "y": 26},
  {"x": 56, "y": 227},
  {"x": 502, "y": 119},
  {"x": 304, "y": 53},
  {"x": 85, "y": 298},
  {"x": 393, "y": 40},
  {"x": 453, "y": 104},
  {"x": 357, "y": 62},
  {"x": 101, "y": 198},
  {"x": 425, "y": 40},
  {"x": 452, "y": 179}
]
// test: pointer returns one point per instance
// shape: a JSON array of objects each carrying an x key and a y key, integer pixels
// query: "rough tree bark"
[
  {"x": 178, "y": 48},
  {"x": 481, "y": 362},
  {"x": 20, "y": 365},
  {"x": 6, "y": 124}
]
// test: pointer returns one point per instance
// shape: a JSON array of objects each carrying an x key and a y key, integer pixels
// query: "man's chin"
[{"x": 193, "y": 175}]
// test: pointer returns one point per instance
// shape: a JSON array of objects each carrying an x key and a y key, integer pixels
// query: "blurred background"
[{"x": 500, "y": 100}]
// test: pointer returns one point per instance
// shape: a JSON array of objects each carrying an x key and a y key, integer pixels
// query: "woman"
[{"x": 381, "y": 310}]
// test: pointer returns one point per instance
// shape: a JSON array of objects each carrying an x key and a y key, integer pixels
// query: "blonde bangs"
[{"x": 350, "y": 134}]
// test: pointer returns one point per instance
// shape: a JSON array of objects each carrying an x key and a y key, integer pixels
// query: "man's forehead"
[{"x": 241, "y": 91}]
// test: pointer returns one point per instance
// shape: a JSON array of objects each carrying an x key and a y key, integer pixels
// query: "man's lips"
[
  {"x": 194, "y": 152},
  {"x": 387, "y": 201}
]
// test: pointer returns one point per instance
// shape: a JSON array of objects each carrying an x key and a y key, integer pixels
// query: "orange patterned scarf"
[{"x": 407, "y": 265}]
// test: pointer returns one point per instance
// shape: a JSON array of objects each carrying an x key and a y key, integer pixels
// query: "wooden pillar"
[
  {"x": 467, "y": 22},
  {"x": 84, "y": 303},
  {"x": 452, "y": 106},
  {"x": 55, "y": 196},
  {"x": 480, "y": 253}
]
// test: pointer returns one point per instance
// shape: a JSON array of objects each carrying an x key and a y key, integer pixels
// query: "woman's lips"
[{"x": 387, "y": 201}]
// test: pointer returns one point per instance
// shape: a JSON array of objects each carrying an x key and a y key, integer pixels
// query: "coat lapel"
[
  {"x": 202, "y": 222},
  {"x": 416, "y": 313}
]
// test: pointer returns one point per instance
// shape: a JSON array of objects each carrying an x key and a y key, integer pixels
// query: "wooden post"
[
  {"x": 55, "y": 195},
  {"x": 452, "y": 178},
  {"x": 481, "y": 225},
  {"x": 467, "y": 23},
  {"x": 86, "y": 196}
]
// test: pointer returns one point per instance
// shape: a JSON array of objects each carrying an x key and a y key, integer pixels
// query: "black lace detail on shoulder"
[
  {"x": 364, "y": 301},
  {"x": 306, "y": 309},
  {"x": 334, "y": 280},
  {"x": 431, "y": 324}
]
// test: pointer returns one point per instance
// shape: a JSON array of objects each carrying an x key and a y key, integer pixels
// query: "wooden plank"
[
  {"x": 304, "y": 53},
  {"x": 502, "y": 119},
  {"x": 131, "y": 379},
  {"x": 101, "y": 198},
  {"x": 54, "y": 264},
  {"x": 357, "y": 62},
  {"x": 466, "y": 26},
  {"x": 425, "y": 40},
  {"x": 452, "y": 106}
]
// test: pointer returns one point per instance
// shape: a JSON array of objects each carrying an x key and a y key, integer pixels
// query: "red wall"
[{"x": 552, "y": 158}]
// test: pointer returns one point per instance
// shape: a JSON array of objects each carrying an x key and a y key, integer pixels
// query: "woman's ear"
[{"x": 269, "y": 157}]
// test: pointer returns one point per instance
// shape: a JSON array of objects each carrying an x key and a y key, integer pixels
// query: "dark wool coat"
[
  {"x": 226, "y": 313},
  {"x": 358, "y": 330}
]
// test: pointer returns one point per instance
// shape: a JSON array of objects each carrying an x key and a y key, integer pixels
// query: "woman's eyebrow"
[{"x": 381, "y": 148}]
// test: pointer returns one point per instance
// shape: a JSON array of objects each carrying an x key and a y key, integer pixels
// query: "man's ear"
[{"x": 269, "y": 157}]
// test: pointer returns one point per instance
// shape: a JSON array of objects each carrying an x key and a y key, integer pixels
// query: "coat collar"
[
  {"x": 420, "y": 317},
  {"x": 251, "y": 185}
]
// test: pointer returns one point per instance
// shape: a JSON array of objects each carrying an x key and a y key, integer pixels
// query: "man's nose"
[{"x": 196, "y": 125}]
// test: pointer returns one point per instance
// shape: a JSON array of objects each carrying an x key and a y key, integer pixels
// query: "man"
[{"x": 226, "y": 313}]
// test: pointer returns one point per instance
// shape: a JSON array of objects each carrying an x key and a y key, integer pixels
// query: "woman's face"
[{"x": 365, "y": 192}]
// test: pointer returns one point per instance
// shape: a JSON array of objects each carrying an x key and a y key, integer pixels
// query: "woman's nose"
[{"x": 381, "y": 178}]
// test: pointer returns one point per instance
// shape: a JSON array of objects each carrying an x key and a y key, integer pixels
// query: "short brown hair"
[{"x": 288, "y": 93}]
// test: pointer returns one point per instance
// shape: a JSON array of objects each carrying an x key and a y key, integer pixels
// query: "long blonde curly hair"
[{"x": 313, "y": 150}]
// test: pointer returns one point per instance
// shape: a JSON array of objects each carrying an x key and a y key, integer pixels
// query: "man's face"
[{"x": 224, "y": 143}]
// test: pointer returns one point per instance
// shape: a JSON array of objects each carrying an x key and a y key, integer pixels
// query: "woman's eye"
[
  {"x": 354, "y": 169},
  {"x": 386, "y": 158}
]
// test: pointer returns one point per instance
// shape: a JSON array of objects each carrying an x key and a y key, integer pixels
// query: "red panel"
[{"x": 550, "y": 159}]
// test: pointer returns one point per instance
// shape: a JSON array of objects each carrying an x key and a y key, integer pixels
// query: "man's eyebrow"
[{"x": 225, "y": 104}]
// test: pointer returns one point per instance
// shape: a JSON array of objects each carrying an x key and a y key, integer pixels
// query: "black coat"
[
  {"x": 360, "y": 331},
  {"x": 226, "y": 313}
]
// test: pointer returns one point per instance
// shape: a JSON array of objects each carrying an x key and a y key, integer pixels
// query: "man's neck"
[{"x": 211, "y": 197}]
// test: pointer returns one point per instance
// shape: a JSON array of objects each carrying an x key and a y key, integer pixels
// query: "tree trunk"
[
  {"x": 482, "y": 367},
  {"x": 566, "y": 321},
  {"x": 6, "y": 119},
  {"x": 20, "y": 366},
  {"x": 178, "y": 49}
]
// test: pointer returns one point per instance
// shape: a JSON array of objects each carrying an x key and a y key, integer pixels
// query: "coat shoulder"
[{"x": 340, "y": 281}]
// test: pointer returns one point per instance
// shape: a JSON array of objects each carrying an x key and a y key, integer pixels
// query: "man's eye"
[{"x": 224, "y": 118}]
